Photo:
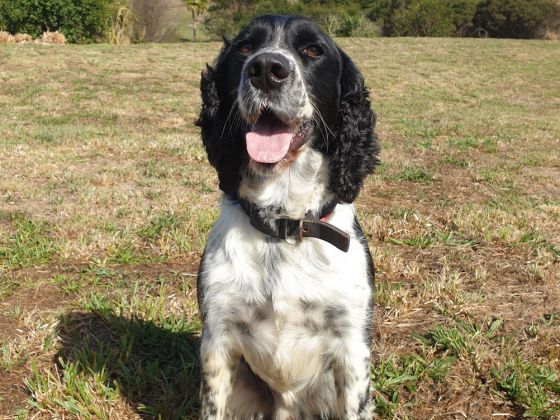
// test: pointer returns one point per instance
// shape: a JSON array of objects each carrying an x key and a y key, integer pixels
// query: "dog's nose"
[{"x": 267, "y": 71}]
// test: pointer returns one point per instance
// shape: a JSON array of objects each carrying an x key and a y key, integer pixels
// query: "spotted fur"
[{"x": 286, "y": 324}]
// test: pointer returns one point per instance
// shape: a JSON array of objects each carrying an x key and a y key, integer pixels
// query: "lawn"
[{"x": 106, "y": 199}]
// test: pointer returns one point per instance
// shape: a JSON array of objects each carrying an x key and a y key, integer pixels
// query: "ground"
[{"x": 106, "y": 199}]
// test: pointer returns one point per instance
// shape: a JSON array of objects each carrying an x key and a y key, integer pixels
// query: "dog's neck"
[{"x": 290, "y": 192}]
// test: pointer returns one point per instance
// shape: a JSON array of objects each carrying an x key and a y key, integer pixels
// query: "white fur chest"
[{"x": 283, "y": 306}]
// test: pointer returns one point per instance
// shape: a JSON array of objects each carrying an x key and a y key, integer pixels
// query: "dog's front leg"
[
  {"x": 352, "y": 381},
  {"x": 219, "y": 364}
]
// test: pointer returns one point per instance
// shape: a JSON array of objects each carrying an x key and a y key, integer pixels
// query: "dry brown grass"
[
  {"x": 6, "y": 38},
  {"x": 47, "y": 38},
  {"x": 55, "y": 37},
  {"x": 23, "y": 38},
  {"x": 106, "y": 199}
]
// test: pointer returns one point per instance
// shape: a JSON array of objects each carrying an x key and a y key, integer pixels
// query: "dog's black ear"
[
  {"x": 223, "y": 151},
  {"x": 354, "y": 152},
  {"x": 225, "y": 38}
]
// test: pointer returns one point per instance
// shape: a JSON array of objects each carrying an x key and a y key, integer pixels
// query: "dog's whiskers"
[
  {"x": 317, "y": 113},
  {"x": 228, "y": 118}
]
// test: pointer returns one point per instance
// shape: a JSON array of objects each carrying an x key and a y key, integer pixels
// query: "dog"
[{"x": 286, "y": 281}]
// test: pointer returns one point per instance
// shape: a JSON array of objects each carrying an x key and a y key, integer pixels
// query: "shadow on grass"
[{"x": 155, "y": 367}]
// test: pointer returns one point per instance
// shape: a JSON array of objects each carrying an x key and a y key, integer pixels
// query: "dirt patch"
[
  {"x": 39, "y": 295},
  {"x": 12, "y": 392}
]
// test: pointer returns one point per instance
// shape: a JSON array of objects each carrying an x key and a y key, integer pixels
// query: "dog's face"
[
  {"x": 283, "y": 73},
  {"x": 279, "y": 86}
]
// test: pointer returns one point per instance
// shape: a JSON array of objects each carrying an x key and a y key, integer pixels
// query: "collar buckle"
[
  {"x": 297, "y": 229},
  {"x": 301, "y": 230}
]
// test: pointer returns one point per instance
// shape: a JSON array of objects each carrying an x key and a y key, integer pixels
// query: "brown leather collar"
[{"x": 311, "y": 226}]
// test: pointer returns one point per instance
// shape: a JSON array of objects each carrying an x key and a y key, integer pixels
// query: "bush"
[
  {"x": 121, "y": 30},
  {"x": 517, "y": 18},
  {"x": 424, "y": 18},
  {"x": 335, "y": 17},
  {"x": 228, "y": 17},
  {"x": 357, "y": 26},
  {"x": 463, "y": 14},
  {"x": 81, "y": 21}
]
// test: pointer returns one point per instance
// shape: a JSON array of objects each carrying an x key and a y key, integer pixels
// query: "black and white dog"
[{"x": 285, "y": 286}]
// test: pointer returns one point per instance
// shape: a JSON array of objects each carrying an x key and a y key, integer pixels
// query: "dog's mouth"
[{"x": 272, "y": 140}]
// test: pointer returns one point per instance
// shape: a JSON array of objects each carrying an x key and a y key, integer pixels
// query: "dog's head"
[{"x": 280, "y": 86}]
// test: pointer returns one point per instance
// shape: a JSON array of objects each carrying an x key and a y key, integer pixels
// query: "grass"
[
  {"x": 29, "y": 245},
  {"x": 534, "y": 388},
  {"x": 106, "y": 199}
]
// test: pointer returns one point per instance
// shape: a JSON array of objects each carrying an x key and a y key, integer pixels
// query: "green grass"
[
  {"x": 12, "y": 358},
  {"x": 29, "y": 245},
  {"x": 462, "y": 163},
  {"x": 420, "y": 241},
  {"x": 106, "y": 200},
  {"x": 396, "y": 379},
  {"x": 414, "y": 174},
  {"x": 535, "y": 388}
]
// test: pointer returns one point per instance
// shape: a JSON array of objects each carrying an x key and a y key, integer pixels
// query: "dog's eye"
[
  {"x": 312, "y": 51},
  {"x": 245, "y": 48}
]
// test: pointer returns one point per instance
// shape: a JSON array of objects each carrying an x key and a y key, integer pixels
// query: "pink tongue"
[{"x": 268, "y": 143}]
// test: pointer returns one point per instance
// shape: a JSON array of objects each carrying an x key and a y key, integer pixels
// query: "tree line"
[
  {"x": 365, "y": 18},
  {"x": 118, "y": 21}
]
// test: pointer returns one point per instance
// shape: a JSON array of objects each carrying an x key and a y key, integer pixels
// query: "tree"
[
  {"x": 197, "y": 8},
  {"x": 227, "y": 17},
  {"x": 516, "y": 18},
  {"x": 154, "y": 19},
  {"x": 463, "y": 14},
  {"x": 424, "y": 18}
]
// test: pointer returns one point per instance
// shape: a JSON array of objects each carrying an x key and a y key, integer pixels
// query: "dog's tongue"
[{"x": 269, "y": 140}]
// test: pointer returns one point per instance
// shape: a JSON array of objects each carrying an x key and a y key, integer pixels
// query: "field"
[{"x": 106, "y": 199}]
